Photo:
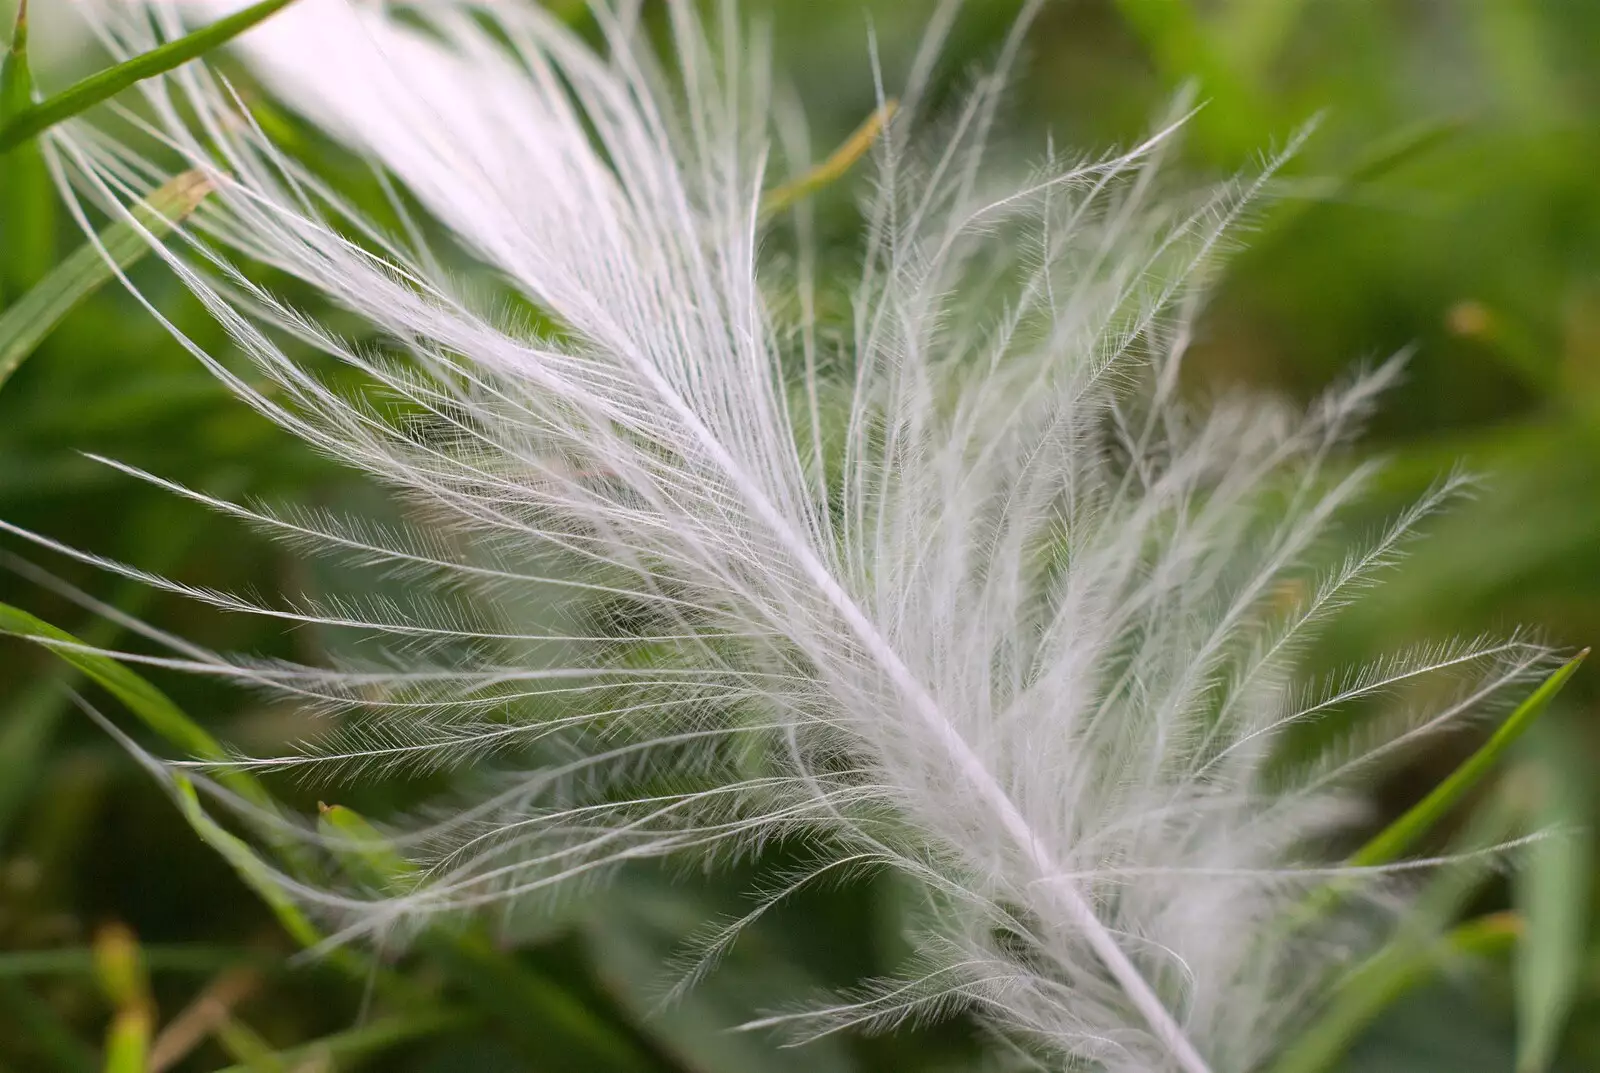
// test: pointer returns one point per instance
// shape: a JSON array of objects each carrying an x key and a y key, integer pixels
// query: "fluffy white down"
[{"x": 945, "y": 577}]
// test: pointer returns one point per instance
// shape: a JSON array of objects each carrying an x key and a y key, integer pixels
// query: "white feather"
[{"x": 961, "y": 588}]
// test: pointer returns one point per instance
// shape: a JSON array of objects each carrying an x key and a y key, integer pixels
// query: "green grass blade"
[
  {"x": 27, "y": 198},
  {"x": 181, "y": 958},
  {"x": 45, "y": 1030},
  {"x": 1283, "y": 222},
  {"x": 1401, "y": 148},
  {"x": 26, "y": 730},
  {"x": 255, "y": 874},
  {"x": 160, "y": 714},
  {"x": 540, "y": 1011},
  {"x": 1387, "y": 845},
  {"x": 40, "y": 117},
  {"x": 363, "y": 852},
  {"x": 246, "y": 864},
  {"x": 25, "y": 325},
  {"x": 128, "y": 1043},
  {"x": 1370, "y": 990},
  {"x": 29, "y": 723},
  {"x": 125, "y": 980},
  {"x": 1185, "y": 47},
  {"x": 142, "y": 698},
  {"x": 164, "y": 717},
  {"x": 120, "y": 967},
  {"x": 1400, "y": 835},
  {"x": 1253, "y": 33},
  {"x": 246, "y": 1047},
  {"x": 1424, "y": 944},
  {"x": 368, "y": 1040},
  {"x": 16, "y": 76},
  {"x": 834, "y": 168},
  {"x": 1552, "y": 891}
]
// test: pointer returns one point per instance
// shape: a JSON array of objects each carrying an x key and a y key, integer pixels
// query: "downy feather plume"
[{"x": 938, "y": 572}]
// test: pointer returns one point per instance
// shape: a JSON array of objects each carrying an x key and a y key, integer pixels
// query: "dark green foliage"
[{"x": 1447, "y": 202}]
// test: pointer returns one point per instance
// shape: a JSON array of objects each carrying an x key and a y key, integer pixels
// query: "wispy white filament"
[{"x": 937, "y": 571}]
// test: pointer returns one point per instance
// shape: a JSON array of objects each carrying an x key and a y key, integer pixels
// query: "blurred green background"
[{"x": 1448, "y": 202}]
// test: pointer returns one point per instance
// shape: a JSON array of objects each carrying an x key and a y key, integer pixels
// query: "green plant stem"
[
  {"x": 183, "y": 958},
  {"x": 53, "y": 1040},
  {"x": 31, "y": 122},
  {"x": 26, "y": 323},
  {"x": 1370, "y": 990},
  {"x": 1387, "y": 845},
  {"x": 1400, "y": 835},
  {"x": 370, "y": 1039}
]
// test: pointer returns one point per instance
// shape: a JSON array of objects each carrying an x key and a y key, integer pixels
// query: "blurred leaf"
[
  {"x": 128, "y": 1041},
  {"x": 636, "y": 936},
  {"x": 244, "y": 1045},
  {"x": 27, "y": 200},
  {"x": 1370, "y": 987},
  {"x": 366, "y": 855},
  {"x": 40, "y": 117},
  {"x": 1253, "y": 32},
  {"x": 543, "y": 1014},
  {"x": 170, "y": 721},
  {"x": 1402, "y": 147},
  {"x": 257, "y": 875},
  {"x": 1552, "y": 892},
  {"x": 1284, "y": 218},
  {"x": 151, "y": 705},
  {"x": 180, "y": 958},
  {"x": 25, "y": 324},
  {"x": 1374, "y": 986},
  {"x": 1185, "y": 49},
  {"x": 1387, "y": 845},
  {"x": 16, "y": 77},
  {"x": 64, "y": 1051},
  {"x": 1446, "y": 1026},
  {"x": 834, "y": 168},
  {"x": 1399, "y": 836},
  {"x": 120, "y": 967},
  {"x": 1511, "y": 36},
  {"x": 30, "y": 723},
  {"x": 359, "y": 1043},
  {"x": 142, "y": 698},
  {"x": 25, "y": 734},
  {"x": 548, "y": 1015}
]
